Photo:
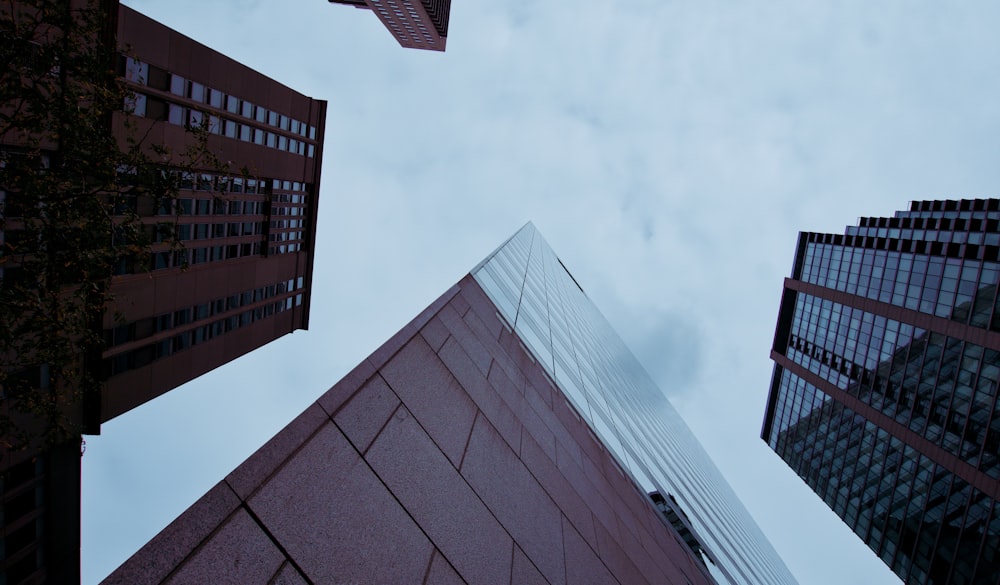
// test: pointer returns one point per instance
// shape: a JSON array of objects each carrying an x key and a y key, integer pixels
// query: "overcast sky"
[{"x": 669, "y": 152}]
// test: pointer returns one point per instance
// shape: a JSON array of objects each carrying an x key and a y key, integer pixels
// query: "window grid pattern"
[
  {"x": 601, "y": 378},
  {"x": 409, "y": 22},
  {"x": 941, "y": 387},
  {"x": 941, "y": 259},
  {"x": 190, "y": 326},
  {"x": 959, "y": 289},
  {"x": 193, "y": 104},
  {"x": 928, "y": 525},
  {"x": 240, "y": 216}
]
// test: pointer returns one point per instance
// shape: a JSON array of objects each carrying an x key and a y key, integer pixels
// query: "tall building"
[
  {"x": 884, "y": 393},
  {"x": 243, "y": 273},
  {"x": 415, "y": 24},
  {"x": 237, "y": 276},
  {"x": 505, "y": 435}
]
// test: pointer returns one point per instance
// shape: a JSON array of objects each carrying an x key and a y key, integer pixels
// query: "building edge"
[{"x": 464, "y": 325}]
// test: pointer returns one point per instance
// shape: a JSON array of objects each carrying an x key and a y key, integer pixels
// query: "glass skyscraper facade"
[
  {"x": 884, "y": 393},
  {"x": 545, "y": 306}
]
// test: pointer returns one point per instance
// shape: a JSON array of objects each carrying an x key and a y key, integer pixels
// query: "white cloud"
[{"x": 668, "y": 151}]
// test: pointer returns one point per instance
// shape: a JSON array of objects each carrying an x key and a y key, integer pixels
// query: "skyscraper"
[
  {"x": 237, "y": 276},
  {"x": 243, "y": 273},
  {"x": 884, "y": 393},
  {"x": 415, "y": 24},
  {"x": 505, "y": 435}
]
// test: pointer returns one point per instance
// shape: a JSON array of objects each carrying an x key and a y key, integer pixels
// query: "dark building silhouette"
[
  {"x": 415, "y": 24},
  {"x": 884, "y": 394},
  {"x": 238, "y": 276},
  {"x": 505, "y": 435}
]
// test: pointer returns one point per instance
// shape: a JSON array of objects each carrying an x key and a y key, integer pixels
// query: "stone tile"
[
  {"x": 342, "y": 391},
  {"x": 568, "y": 452},
  {"x": 519, "y": 355},
  {"x": 582, "y": 564},
  {"x": 387, "y": 350},
  {"x": 287, "y": 575},
  {"x": 479, "y": 353},
  {"x": 258, "y": 467},
  {"x": 515, "y": 498},
  {"x": 672, "y": 556},
  {"x": 533, "y": 425},
  {"x": 363, "y": 416},
  {"x": 435, "y": 333},
  {"x": 431, "y": 393},
  {"x": 486, "y": 327},
  {"x": 477, "y": 298},
  {"x": 582, "y": 435},
  {"x": 627, "y": 525},
  {"x": 561, "y": 491},
  {"x": 600, "y": 481},
  {"x": 602, "y": 510},
  {"x": 504, "y": 384},
  {"x": 442, "y": 503},
  {"x": 638, "y": 555},
  {"x": 481, "y": 391},
  {"x": 540, "y": 391},
  {"x": 543, "y": 384},
  {"x": 459, "y": 301},
  {"x": 240, "y": 552},
  {"x": 442, "y": 573},
  {"x": 563, "y": 437},
  {"x": 525, "y": 573},
  {"x": 616, "y": 559},
  {"x": 154, "y": 561},
  {"x": 337, "y": 521}
]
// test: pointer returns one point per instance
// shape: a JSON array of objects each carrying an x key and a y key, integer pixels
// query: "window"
[
  {"x": 136, "y": 71},
  {"x": 178, "y": 85},
  {"x": 215, "y": 98},
  {"x": 195, "y": 119},
  {"x": 197, "y": 92},
  {"x": 175, "y": 115},
  {"x": 135, "y": 104}
]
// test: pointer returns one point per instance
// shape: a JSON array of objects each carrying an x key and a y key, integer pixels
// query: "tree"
[{"x": 72, "y": 201}]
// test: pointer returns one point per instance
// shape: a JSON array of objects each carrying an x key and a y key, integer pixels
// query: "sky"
[{"x": 669, "y": 152}]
